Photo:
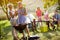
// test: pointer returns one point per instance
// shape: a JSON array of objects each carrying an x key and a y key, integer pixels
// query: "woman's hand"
[{"x": 12, "y": 16}]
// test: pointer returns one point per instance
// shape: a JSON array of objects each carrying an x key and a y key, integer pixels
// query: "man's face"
[
  {"x": 20, "y": 5},
  {"x": 56, "y": 12}
]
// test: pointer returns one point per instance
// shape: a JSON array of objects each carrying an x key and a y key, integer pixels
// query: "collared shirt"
[
  {"x": 57, "y": 16},
  {"x": 22, "y": 19}
]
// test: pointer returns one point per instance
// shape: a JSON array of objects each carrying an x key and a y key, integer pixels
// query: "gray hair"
[
  {"x": 19, "y": 2},
  {"x": 9, "y": 4}
]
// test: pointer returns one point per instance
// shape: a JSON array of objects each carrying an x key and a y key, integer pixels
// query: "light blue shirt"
[{"x": 21, "y": 18}]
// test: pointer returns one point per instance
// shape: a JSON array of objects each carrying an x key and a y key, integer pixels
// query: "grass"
[{"x": 6, "y": 32}]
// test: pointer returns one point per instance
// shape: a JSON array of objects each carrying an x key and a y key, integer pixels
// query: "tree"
[
  {"x": 3, "y": 4},
  {"x": 49, "y": 3},
  {"x": 59, "y": 2}
]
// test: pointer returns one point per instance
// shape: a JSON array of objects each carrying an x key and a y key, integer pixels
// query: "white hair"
[
  {"x": 9, "y": 4},
  {"x": 19, "y": 2}
]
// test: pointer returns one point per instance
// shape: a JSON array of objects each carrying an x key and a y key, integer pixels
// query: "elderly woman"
[{"x": 12, "y": 19}]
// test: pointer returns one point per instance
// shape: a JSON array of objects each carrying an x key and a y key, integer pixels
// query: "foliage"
[
  {"x": 5, "y": 26},
  {"x": 58, "y": 8},
  {"x": 59, "y": 2},
  {"x": 3, "y": 4},
  {"x": 49, "y": 3}
]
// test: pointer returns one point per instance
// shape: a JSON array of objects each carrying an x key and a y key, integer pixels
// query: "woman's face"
[
  {"x": 10, "y": 7},
  {"x": 38, "y": 8}
]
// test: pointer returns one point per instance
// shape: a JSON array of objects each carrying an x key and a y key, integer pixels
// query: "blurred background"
[{"x": 31, "y": 5}]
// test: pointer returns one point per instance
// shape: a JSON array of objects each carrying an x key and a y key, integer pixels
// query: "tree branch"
[{"x": 5, "y": 11}]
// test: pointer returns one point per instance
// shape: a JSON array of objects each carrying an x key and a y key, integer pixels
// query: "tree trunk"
[
  {"x": 5, "y": 9},
  {"x": 59, "y": 2}
]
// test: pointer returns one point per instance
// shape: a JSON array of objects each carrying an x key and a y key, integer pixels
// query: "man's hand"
[{"x": 55, "y": 19}]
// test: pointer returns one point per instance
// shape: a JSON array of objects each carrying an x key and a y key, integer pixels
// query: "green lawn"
[{"x": 6, "y": 32}]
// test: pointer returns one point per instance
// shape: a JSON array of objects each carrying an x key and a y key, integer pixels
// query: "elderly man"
[
  {"x": 56, "y": 19},
  {"x": 22, "y": 19}
]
